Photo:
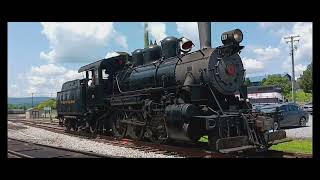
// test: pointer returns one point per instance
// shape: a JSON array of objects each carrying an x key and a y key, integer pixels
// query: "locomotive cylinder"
[{"x": 178, "y": 118}]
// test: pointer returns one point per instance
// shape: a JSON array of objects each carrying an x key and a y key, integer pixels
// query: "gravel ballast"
[{"x": 41, "y": 136}]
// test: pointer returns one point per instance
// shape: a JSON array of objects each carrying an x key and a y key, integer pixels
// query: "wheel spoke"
[
  {"x": 118, "y": 128},
  {"x": 137, "y": 131},
  {"x": 159, "y": 136}
]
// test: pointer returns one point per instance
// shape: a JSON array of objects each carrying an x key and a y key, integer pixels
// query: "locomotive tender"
[{"x": 165, "y": 92}]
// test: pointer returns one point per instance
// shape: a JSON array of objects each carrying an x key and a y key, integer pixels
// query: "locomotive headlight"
[
  {"x": 185, "y": 44},
  {"x": 232, "y": 37}
]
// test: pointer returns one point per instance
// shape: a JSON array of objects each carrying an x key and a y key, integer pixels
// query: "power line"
[
  {"x": 291, "y": 40},
  {"x": 32, "y": 95},
  {"x": 32, "y": 99}
]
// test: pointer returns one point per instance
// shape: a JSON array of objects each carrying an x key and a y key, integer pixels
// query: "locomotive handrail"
[
  {"x": 212, "y": 110},
  {"x": 159, "y": 88},
  {"x": 215, "y": 98}
]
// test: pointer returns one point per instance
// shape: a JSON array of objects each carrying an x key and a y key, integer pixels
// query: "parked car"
[
  {"x": 308, "y": 107},
  {"x": 286, "y": 115},
  {"x": 258, "y": 106}
]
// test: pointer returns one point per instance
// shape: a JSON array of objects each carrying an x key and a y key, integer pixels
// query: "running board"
[
  {"x": 279, "y": 141},
  {"x": 236, "y": 149},
  {"x": 232, "y": 142},
  {"x": 277, "y": 136}
]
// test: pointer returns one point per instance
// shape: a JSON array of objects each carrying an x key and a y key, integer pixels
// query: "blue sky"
[{"x": 41, "y": 56}]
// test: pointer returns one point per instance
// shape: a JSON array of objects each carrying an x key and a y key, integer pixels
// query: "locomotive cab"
[{"x": 99, "y": 77}]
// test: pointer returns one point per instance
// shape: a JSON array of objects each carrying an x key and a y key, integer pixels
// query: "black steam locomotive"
[{"x": 165, "y": 92}]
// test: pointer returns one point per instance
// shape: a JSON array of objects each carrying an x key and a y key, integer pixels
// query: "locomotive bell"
[{"x": 186, "y": 44}]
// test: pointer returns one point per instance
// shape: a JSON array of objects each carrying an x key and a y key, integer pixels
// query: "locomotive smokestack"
[{"x": 204, "y": 34}]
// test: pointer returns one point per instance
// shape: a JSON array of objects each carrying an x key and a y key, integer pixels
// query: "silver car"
[
  {"x": 308, "y": 107},
  {"x": 286, "y": 115}
]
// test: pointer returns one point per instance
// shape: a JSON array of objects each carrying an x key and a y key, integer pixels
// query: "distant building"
[
  {"x": 16, "y": 111},
  {"x": 265, "y": 94},
  {"x": 33, "y": 113},
  {"x": 257, "y": 80},
  {"x": 287, "y": 75}
]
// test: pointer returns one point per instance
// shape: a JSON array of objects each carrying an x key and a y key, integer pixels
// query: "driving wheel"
[
  {"x": 137, "y": 130},
  {"x": 119, "y": 128},
  {"x": 302, "y": 121}
]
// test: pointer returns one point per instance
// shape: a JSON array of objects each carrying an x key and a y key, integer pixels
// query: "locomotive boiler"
[{"x": 166, "y": 92}]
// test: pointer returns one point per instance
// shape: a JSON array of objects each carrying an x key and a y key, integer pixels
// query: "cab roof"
[{"x": 104, "y": 62}]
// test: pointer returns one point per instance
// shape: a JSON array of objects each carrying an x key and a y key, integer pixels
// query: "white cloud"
[
  {"x": 49, "y": 69},
  {"x": 47, "y": 79},
  {"x": 268, "y": 53},
  {"x": 303, "y": 54},
  {"x": 37, "y": 80},
  {"x": 157, "y": 30},
  {"x": 79, "y": 41},
  {"x": 121, "y": 40},
  {"x": 304, "y": 51},
  {"x": 252, "y": 65},
  {"x": 31, "y": 90},
  {"x": 298, "y": 68},
  {"x": 13, "y": 91},
  {"x": 276, "y": 28},
  {"x": 189, "y": 30},
  {"x": 269, "y": 24}
]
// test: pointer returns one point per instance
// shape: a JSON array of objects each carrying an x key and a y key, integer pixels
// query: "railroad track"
[
  {"x": 175, "y": 149},
  {"x": 47, "y": 126},
  {"x": 23, "y": 149},
  {"x": 275, "y": 154}
]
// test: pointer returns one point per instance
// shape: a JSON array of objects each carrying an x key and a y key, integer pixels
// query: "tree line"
[
  {"x": 49, "y": 103},
  {"x": 304, "y": 83}
]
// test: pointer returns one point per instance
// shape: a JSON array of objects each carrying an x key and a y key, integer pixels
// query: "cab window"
[
  {"x": 96, "y": 77},
  {"x": 104, "y": 74},
  {"x": 90, "y": 78},
  {"x": 71, "y": 96}
]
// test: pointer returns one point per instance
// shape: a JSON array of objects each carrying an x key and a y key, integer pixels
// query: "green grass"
[
  {"x": 295, "y": 146},
  {"x": 204, "y": 139}
]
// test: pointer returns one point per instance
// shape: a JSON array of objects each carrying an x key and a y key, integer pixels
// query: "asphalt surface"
[{"x": 300, "y": 132}]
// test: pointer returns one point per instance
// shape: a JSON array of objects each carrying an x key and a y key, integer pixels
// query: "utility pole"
[
  {"x": 146, "y": 35},
  {"x": 291, "y": 40},
  {"x": 32, "y": 99}
]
